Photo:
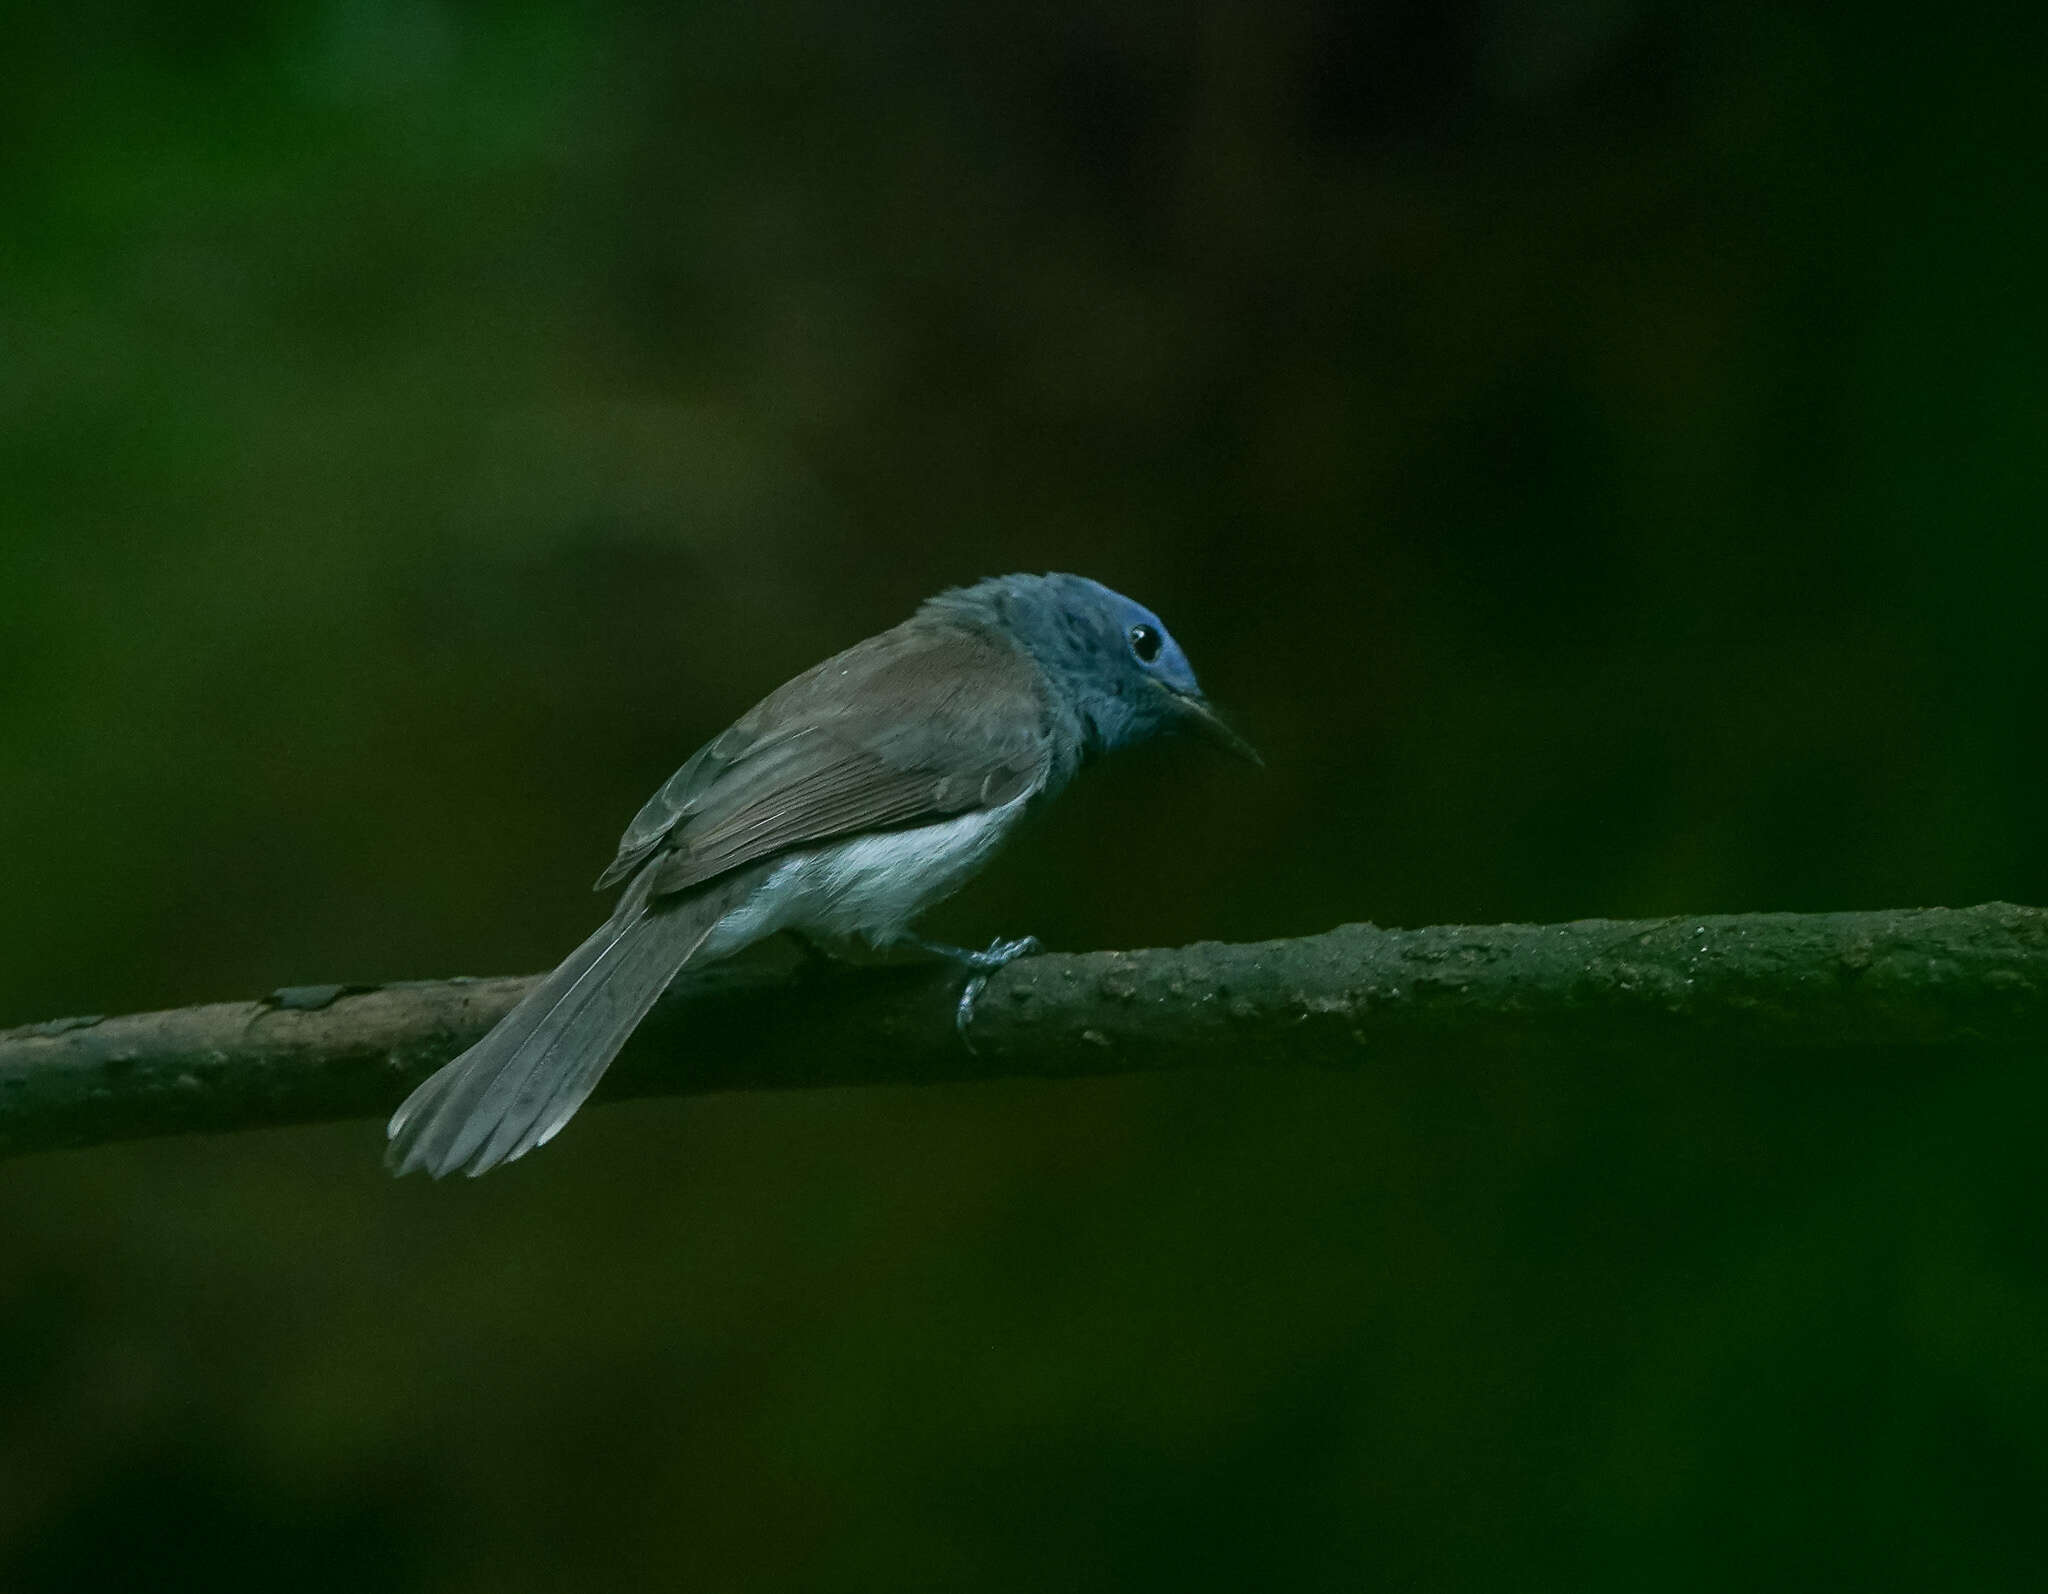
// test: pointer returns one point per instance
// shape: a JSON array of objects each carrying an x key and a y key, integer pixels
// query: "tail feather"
[
  {"x": 422, "y": 1132},
  {"x": 518, "y": 1086},
  {"x": 505, "y": 1075},
  {"x": 575, "y": 1044}
]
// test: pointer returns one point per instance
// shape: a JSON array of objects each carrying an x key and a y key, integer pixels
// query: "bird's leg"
[
  {"x": 818, "y": 957},
  {"x": 984, "y": 963}
]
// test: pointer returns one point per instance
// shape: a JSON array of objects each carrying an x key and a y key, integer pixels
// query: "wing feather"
[{"x": 919, "y": 723}]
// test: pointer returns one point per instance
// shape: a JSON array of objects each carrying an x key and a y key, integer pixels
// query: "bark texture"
[{"x": 1353, "y": 996}]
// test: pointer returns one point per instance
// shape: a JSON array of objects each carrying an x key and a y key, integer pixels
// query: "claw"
[
  {"x": 963, "y": 1015},
  {"x": 984, "y": 963}
]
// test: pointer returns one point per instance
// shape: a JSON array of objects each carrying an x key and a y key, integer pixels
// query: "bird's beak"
[{"x": 1193, "y": 714}]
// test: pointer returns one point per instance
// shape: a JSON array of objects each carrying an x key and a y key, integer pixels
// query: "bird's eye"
[{"x": 1145, "y": 642}]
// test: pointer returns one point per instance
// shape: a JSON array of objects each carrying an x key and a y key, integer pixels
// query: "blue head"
[{"x": 1112, "y": 660}]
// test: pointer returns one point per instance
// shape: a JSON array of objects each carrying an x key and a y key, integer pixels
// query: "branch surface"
[{"x": 1351, "y": 996}]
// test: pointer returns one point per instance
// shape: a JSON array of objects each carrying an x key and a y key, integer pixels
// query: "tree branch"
[{"x": 1353, "y": 995}]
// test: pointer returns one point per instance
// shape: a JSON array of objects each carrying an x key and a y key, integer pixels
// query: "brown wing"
[{"x": 919, "y": 723}]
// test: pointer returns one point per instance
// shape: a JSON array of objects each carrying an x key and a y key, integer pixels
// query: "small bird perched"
[{"x": 842, "y": 804}]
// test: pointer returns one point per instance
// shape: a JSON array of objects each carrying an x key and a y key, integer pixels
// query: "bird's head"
[{"x": 1111, "y": 658}]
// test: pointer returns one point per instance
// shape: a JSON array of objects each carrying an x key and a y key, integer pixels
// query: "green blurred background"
[{"x": 1596, "y": 448}]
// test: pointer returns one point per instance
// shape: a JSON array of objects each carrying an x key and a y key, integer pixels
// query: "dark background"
[{"x": 1596, "y": 449}]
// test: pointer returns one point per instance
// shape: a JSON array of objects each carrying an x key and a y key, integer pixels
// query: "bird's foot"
[{"x": 998, "y": 954}]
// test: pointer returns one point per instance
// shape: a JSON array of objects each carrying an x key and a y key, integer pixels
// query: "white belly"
[{"x": 870, "y": 886}]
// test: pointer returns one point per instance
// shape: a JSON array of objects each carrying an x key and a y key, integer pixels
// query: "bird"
[{"x": 839, "y": 807}]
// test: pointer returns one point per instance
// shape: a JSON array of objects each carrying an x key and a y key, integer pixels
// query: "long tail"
[{"x": 514, "y": 1089}]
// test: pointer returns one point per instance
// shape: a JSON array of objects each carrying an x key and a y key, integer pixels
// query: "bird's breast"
[{"x": 871, "y": 885}]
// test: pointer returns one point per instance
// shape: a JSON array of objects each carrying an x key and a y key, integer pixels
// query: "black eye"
[{"x": 1145, "y": 642}]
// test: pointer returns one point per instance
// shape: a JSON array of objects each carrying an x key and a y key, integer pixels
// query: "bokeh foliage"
[{"x": 1594, "y": 447}]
